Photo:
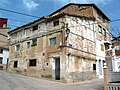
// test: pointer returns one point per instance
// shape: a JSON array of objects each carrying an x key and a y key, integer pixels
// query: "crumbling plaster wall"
[
  {"x": 76, "y": 62},
  {"x": 81, "y": 54},
  {"x": 43, "y": 52}
]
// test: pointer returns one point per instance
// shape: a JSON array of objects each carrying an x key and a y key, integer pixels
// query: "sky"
[{"x": 42, "y": 8}]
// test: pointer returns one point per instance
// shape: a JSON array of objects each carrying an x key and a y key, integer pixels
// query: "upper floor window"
[
  {"x": 15, "y": 36},
  {"x": 35, "y": 27},
  {"x": 34, "y": 42},
  {"x": 1, "y": 51},
  {"x": 55, "y": 23},
  {"x": 105, "y": 33},
  {"x": 28, "y": 44},
  {"x": 23, "y": 33},
  {"x": 70, "y": 45},
  {"x": 102, "y": 47},
  {"x": 117, "y": 48},
  {"x": 53, "y": 41},
  {"x": 99, "y": 15},
  {"x": 18, "y": 47},
  {"x": 1, "y": 59},
  {"x": 100, "y": 29},
  {"x": 107, "y": 46}
]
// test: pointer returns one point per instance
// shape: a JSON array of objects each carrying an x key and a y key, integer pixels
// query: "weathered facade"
[
  {"x": 116, "y": 54},
  {"x": 62, "y": 46},
  {"x": 4, "y": 44}
]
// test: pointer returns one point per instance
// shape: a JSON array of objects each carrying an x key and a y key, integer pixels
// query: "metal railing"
[
  {"x": 113, "y": 86},
  {"x": 113, "y": 81}
]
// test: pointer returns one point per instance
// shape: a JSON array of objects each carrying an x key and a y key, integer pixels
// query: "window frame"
[
  {"x": 34, "y": 42},
  {"x": 27, "y": 43},
  {"x": 105, "y": 32},
  {"x": 17, "y": 49},
  {"x": 1, "y": 51},
  {"x": 31, "y": 63},
  {"x": 24, "y": 33},
  {"x": 35, "y": 27},
  {"x": 94, "y": 66},
  {"x": 102, "y": 47},
  {"x": 55, "y": 23},
  {"x": 1, "y": 60},
  {"x": 100, "y": 29},
  {"x": 15, "y": 65},
  {"x": 50, "y": 40}
]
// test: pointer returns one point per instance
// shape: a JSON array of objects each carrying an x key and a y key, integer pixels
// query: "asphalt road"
[{"x": 9, "y": 81}]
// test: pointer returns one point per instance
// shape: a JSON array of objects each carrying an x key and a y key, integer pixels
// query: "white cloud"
[{"x": 30, "y": 4}]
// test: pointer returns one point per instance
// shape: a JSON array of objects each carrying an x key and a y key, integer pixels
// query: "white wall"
[
  {"x": 115, "y": 61},
  {"x": 100, "y": 57},
  {"x": 5, "y": 56},
  {"x": 100, "y": 54},
  {"x": 1, "y": 55}
]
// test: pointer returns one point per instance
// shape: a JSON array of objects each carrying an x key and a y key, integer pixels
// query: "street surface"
[{"x": 9, "y": 81}]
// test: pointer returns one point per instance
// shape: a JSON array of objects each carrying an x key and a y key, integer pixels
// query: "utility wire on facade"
[
  {"x": 12, "y": 25},
  {"x": 19, "y": 13},
  {"x": 115, "y": 20},
  {"x": 39, "y": 17},
  {"x": 17, "y": 20}
]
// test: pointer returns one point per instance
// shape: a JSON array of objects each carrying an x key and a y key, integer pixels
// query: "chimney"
[{"x": 3, "y": 22}]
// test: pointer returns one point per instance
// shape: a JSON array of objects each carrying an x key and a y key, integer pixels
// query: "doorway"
[{"x": 57, "y": 68}]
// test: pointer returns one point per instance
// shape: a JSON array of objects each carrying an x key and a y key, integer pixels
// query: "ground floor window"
[
  {"x": 1, "y": 51},
  {"x": 100, "y": 67},
  {"x": 94, "y": 66},
  {"x": 32, "y": 62},
  {"x": 15, "y": 64},
  {"x": 1, "y": 59}
]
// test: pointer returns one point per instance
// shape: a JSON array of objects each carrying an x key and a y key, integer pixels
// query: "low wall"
[
  {"x": 2, "y": 66},
  {"x": 113, "y": 77}
]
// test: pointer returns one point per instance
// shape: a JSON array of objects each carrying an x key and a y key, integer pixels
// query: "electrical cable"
[{"x": 19, "y": 13}]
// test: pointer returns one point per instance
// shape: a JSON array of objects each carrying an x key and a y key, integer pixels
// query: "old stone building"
[
  {"x": 67, "y": 45},
  {"x": 116, "y": 54},
  {"x": 4, "y": 44}
]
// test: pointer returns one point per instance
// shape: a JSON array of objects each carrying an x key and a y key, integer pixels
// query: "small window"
[
  {"x": 1, "y": 59},
  {"x": 94, "y": 66},
  {"x": 1, "y": 51},
  {"x": 34, "y": 42},
  {"x": 104, "y": 32},
  {"x": 53, "y": 41},
  {"x": 107, "y": 47},
  {"x": 28, "y": 44},
  {"x": 15, "y": 64},
  {"x": 47, "y": 64},
  {"x": 23, "y": 33},
  {"x": 102, "y": 47},
  {"x": 100, "y": 29},
  {"x": 18, "y": 47},
  {"x": 70, "y": 46},
  {"x": 32, "y": 62},
  {"x": 55, "y": 23},
  {"x": 35, "y": 27}
]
